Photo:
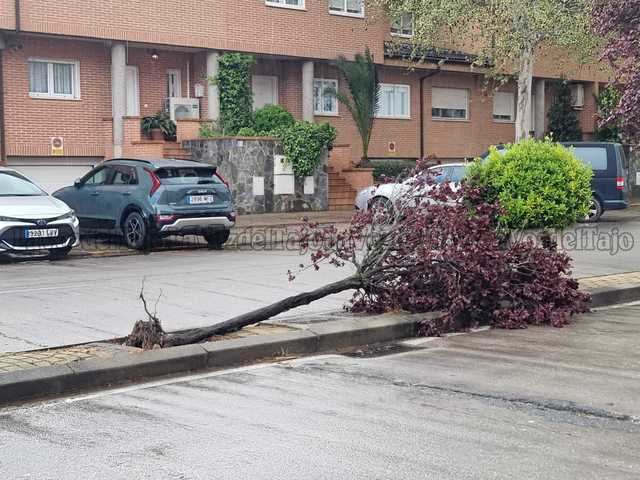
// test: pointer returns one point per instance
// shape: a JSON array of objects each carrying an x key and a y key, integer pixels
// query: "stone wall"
[{"x": 259, "y": 184}]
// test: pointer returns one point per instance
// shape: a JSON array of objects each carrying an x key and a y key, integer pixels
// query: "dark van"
[{"x": 610, "y": 183}]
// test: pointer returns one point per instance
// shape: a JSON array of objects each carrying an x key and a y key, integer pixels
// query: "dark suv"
[{"x": 148, "y": 199}]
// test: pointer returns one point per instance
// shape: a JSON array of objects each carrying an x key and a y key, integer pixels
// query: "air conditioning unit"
[
  {"x": 577, "y": 95},
  {"x": 183, "y": 108}
]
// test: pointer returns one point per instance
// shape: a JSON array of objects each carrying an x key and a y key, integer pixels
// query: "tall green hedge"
[
  {"x": 236, "y": 96},
  {"x": 539, "y": 184}
]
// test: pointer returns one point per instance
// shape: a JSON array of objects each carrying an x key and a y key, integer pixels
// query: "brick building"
[{"x": 85, "y": 72}]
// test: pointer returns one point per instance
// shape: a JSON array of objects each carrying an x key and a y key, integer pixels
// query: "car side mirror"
[{"x": 77, "y": 183}]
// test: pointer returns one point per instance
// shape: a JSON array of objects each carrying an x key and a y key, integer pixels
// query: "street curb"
[
  {"x": 82, "y": 375},
  {"x": 606, "y": 296}
]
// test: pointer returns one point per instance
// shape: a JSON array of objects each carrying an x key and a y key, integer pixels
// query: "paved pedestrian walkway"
[{"x": 620, "y": 280}]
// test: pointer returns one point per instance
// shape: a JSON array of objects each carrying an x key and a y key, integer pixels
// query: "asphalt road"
[
  {"x": 540, "y": 404},
  {"x": 88, "y": 299},
  {"x": 46, "y": 304}
]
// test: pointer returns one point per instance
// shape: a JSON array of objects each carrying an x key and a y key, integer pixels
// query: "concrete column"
[
  {"x": 307, "y": 91},
  {"x": 540, "y": 113},
  {"x": 118, "y": 95},
  {"x": 213, "y": 95}
]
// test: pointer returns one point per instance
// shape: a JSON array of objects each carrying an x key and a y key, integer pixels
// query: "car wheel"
[
  {"x": 381, "y": 207},
  {"x": 136, "y": 234},
  {"x": 595, "y": 212},
  {"x": 59, "y": 253},
  {"x": 217, "y": 239}
]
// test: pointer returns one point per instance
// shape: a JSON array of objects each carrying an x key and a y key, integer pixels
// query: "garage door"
[{"x": 52, "y": 175}]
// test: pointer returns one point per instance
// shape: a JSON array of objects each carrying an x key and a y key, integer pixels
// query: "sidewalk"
[{"x": 255, "y": 230}]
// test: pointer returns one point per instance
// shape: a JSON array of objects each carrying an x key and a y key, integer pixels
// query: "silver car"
[
  {"x": 386, "y": 193},
  {"x": 31, "y": 220}
]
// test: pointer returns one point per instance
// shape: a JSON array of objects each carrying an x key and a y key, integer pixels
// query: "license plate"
[
  {"x": 41, "y": 233},
  {"x": 200, "y": 199}
]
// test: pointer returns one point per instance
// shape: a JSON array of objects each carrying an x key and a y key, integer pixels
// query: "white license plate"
[
  {"x": 41, "y": 233},
  {"x": 200, "y": 199}
]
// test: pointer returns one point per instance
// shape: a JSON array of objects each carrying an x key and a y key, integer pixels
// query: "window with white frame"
[
  {"x": 394, "y": 101},
  {"x": 450, "y": 103},
  {"x": 324, "y": 99},
  {"x": 402, "y": 25},
  {"x": 54, "y": 79},
  {"x": 286, "y": 3},
  {"x": 354, "y": 8},
  {"x": 174, "y": 83},
  {"x": 504, "y": 106}
]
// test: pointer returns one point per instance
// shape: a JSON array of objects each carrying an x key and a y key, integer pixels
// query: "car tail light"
[
  {"x": 620, "y": 183},
  {"x": 155, "y": 182},
  {"x": 222, "y": 179},
  {"x": 165, "y": 218},
  {"x": 231, "y": 216}
]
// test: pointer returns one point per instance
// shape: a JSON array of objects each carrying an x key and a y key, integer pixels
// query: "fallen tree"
[{"x": 431, "y": 249}]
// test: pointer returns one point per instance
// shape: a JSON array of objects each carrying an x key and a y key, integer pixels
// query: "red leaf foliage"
[{"x": 437, "y": 249}]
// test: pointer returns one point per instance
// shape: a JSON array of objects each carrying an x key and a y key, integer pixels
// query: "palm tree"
[{"x": 361, "y": 76}]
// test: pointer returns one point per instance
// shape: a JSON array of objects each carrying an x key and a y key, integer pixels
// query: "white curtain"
[
  {"x": 38, "y": 77},
  {"x": 62, "y": 79}
]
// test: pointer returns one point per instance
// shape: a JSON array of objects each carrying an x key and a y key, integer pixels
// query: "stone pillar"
[
  {"x": 213, "y": 96},
  {"x": 118, "y": 95},
  {"x": 540, "y": 112},
  {"x": 307, "y": 91}
]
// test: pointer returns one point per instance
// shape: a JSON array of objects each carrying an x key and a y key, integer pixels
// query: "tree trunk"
[
  {"x": 525, "y": 80},
  {"x": 199, "y": 334}
]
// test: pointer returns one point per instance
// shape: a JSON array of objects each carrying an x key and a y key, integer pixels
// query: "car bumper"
[
  {"x": 615, "y": 204},
  {"x": 198, "y": 225},
  {"x": 13, "y": 240}
]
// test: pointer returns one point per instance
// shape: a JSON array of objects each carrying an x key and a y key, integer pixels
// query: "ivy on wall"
[{"x": 236, "y": 97}]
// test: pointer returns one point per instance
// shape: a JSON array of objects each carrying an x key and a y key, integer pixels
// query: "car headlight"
[
  {"x": 9, "y": 219},
  {"x": 70, "y": 215}
]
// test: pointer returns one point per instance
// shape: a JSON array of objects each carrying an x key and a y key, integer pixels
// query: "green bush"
[
  {"x": 236, "y": 96},
  {"x": 209, "y": 130},
  {"x": 539, "y": 184},
  {"x": 247, "y": 132},
  {"x": 391, "y": 169},
  {"x": 303, "y": 144},
  {"x": 271, "y": 118}
]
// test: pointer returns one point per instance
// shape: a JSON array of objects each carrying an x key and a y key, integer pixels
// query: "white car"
[
  {"x": 32, "y": 220},
  {"x": 385, "y": 193}
]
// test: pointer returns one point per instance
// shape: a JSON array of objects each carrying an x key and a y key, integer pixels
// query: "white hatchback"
[{"x": 32, "y": 220}]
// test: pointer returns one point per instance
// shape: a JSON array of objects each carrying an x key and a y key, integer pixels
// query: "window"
[
  {"x": 352, "y": 8},
  {"x": 595, "y": 157},
  {"x": 394, "y": 101},
  {"x": 174, "y": 83},
  {"x": 124, "y": 175},
  {"x": 98, "y": 177},
  {"x": 54, "y": 79},
  {"x": 402, "y": 25},
  {"x": 449, "y": 103},
  {"x": 299, "y": 4},
  {"x": 503, "y": 106},
  {"x": 324, "y": 99}
]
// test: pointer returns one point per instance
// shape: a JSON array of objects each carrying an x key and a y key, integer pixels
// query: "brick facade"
[{"x": 281, "y": 38}]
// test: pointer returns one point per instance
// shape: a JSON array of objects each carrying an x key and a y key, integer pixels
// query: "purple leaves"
[{"x": 437, "y": 249}]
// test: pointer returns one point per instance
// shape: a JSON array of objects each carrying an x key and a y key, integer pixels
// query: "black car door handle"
[
  {"x": 95, "y": 194},
  {"x": 126, "y": 194}
]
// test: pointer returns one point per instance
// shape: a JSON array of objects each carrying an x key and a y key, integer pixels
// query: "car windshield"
[
  {"x": 12, "y": 184},
  {"x": 187, "y": 176}
]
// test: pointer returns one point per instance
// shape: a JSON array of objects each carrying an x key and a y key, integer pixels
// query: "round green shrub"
[
  {"x": 539, "y": 184},
  {"x": 270, "y": 118}
]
